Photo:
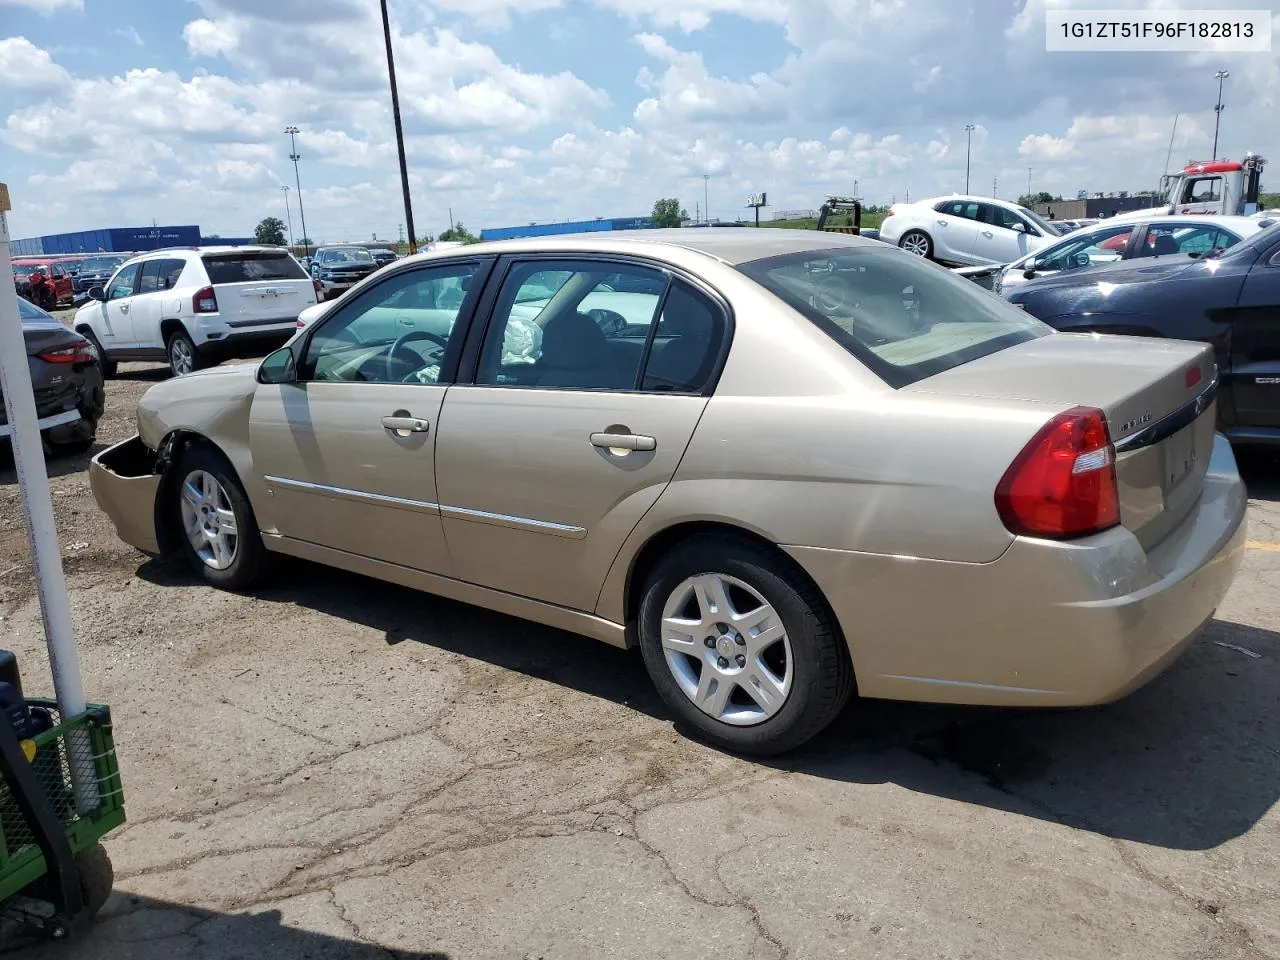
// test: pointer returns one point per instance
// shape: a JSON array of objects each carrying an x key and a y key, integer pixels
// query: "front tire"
[
  {"x": 214, "y": 521},
  {"x": 183, "y": 356},
  {"x": 917, "y": 242},
  {"x": 742, "y": 647}
]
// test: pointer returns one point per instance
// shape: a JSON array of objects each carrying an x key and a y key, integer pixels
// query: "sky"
[{"x": 125, "y": 112}]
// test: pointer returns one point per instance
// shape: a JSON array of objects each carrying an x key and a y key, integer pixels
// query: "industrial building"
[
  {"x": 573, "y": 226},
  {"x": 118, "y": 240},
  {"x": 1096, "y": 206}
]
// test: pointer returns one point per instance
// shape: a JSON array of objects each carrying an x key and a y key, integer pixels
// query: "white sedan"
[
  {"x": 968, "y": 231},
  {"x": 1113, "y": 240}
]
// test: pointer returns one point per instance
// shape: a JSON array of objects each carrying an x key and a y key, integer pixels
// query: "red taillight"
[
  {"x": 1063, "y": 483},
  {"x": 300, "y": 323},
  {"x": 205, "y": 301},
  {"x": 78, "y": 353},
  {"x": 1194, "y": 376}
]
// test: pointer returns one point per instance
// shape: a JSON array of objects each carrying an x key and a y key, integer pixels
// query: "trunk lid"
[
  {"x": 258, "y": 288},
  {"x": 1157, "y": 396}
]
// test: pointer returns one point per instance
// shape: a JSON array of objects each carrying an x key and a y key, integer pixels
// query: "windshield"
[
  {"x": 904, "y": 317},
  {"x": 100, "y": 264},
  {"x": 1047, "y": 228},
  {"x": 353, "y": 255}
]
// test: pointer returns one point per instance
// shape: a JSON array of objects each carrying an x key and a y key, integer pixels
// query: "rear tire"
[
  {"x": 793, "y": 655},
  {"x": 206, "y": 495},
  {"x": 917, "y": 242},
  {"x": 108, "y": 366},
  {"x": 183, "y": 356}
]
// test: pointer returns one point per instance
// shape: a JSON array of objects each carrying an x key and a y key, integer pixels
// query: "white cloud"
[
  {"x": 1045, "y": 146},
  {"x": 25, "y": 67},
  {"x": 45, "y": 7},
  {"x": 129, "y": 33},
  {"x": 494, "y": 14},
  {"x": 687, "y": 93},
  {"x": 691, "y": 15}
]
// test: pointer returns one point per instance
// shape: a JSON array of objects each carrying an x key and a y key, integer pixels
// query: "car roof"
[{"x": 731, "y": 245}]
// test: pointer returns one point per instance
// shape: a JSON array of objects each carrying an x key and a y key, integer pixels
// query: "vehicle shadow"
[
  {"x": 1260, "y": 467},
  {"x": 55, "y": 466},
  {"x": 142, "y": 928},
  {"x": 1188, "y": 762}
]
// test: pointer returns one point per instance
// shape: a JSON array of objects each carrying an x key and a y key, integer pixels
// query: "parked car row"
[{"x": 749, "y": 453}]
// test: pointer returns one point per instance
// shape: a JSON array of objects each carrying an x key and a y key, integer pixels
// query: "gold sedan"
[{"x": 786, "y": 464}]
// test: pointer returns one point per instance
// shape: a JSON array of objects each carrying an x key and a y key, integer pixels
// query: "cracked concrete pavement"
[{"x": 336, "y": 768}]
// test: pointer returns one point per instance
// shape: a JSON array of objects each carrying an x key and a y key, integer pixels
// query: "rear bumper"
[
  {"x": 1047, "y": 624},
  {"x": 248, "y": 343},
  {"x": 125, "y": 485}
]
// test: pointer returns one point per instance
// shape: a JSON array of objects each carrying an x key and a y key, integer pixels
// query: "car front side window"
[
  {"x": 397, "y": 332},
  {"x": 122, "y": 283}
]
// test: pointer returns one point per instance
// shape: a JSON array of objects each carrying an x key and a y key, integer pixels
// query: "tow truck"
[
  {"x": 1227, "y": 187},
  {"x": 832, "y": 204}
]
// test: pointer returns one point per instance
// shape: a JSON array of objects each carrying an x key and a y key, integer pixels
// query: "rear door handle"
[
  {"x": 623, "y": 441},
  {"x": 986, "y": 233},
  {"x": 124, "y": 308},
  {"x": 406, "y": 424}
]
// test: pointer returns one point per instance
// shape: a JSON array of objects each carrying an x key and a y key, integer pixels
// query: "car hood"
[{"x": 1144, "y": 270}]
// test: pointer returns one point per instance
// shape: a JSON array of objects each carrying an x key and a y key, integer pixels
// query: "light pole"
[
  {"x": 706, "y": 205},
  {"x": 284, "y": 188},
  {"x": 1028, "y": 181},
  {"x": 395, "y": 111},
  {"x": 968, "y": 129},
  {"x": 292, "y": 131},
  {"x": 1217, "y": 111}
]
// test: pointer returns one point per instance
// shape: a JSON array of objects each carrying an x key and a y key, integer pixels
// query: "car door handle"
[
  {"x": 942, "y": 223},
  {"x": 410, "y": 424},
  {"x": 623, "y": 441},
  {"x": 987, "y": 233},
  {"x": 124, "y": 308}
]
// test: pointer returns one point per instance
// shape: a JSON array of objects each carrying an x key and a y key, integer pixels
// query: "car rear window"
[
  {"x": 904, "y": 317},
  {"x": 250, "y": 267}
]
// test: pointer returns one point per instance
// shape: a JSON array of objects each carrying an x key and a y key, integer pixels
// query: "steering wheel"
[
  {"x": 1082, "y": 260},
  {"x": 610, "y": 322},
  {"x": 410, "y": 337}
]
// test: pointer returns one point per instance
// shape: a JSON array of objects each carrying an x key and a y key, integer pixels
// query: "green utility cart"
[{"x": 60, "y": 795}]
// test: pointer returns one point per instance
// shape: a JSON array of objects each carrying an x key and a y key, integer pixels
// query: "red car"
[{"x": 45, "y": 281}]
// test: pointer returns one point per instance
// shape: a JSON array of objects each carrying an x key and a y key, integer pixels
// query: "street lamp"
[
  {"x": 968, "y": 130},
  {"x": 288, "y": 215},
  {"x": 293, "y": 131},
  {"x": 706, "y": 206},
  {"x": 1217, "y": 111},
  {"x": 395, "y": 111},
  {"x": 1028, "y": 181}
]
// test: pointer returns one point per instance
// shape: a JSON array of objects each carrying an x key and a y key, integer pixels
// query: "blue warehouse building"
[
  {"x": 574, "y": 226},
  {"x": 118, "y": 240}
]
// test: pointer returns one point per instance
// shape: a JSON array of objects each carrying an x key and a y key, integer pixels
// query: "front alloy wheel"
[
  {"x": 727, "y": 649},
  {"x": 209, "y": 520}
]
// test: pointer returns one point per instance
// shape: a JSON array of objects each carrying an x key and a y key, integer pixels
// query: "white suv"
[{"x": 194, "y": 306}]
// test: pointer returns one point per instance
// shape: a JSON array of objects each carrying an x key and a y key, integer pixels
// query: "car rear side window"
[
  {"x": 686, "y": 343},
  {"x": 149, "y": 281},
  {"x": 903, "y": 317},
  {"x": 251, "y": 267}
]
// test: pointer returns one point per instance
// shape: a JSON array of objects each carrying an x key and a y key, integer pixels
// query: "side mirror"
[
  {"x": 97, "y": 293},
  {"x": 1029, "y": 273},
  {"x": 278, "y": 367}
]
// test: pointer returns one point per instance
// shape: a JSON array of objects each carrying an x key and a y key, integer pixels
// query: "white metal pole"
[{"x": 42, "y": 534}]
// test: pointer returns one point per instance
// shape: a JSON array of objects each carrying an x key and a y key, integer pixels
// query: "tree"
[
  {"x": 667, "y": 212},
  {"x": 1031, "y": 199},
  {"x": 270, "y": 232},
  {"x": 458, "y": 233}
]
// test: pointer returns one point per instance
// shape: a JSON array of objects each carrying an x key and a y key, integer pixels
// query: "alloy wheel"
[
  {"x": 727, "y": 649},
  {"x": 916, "y": 243},
  {"x": 181, "y": 358},
  {"x": 209, "y": 520}
]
